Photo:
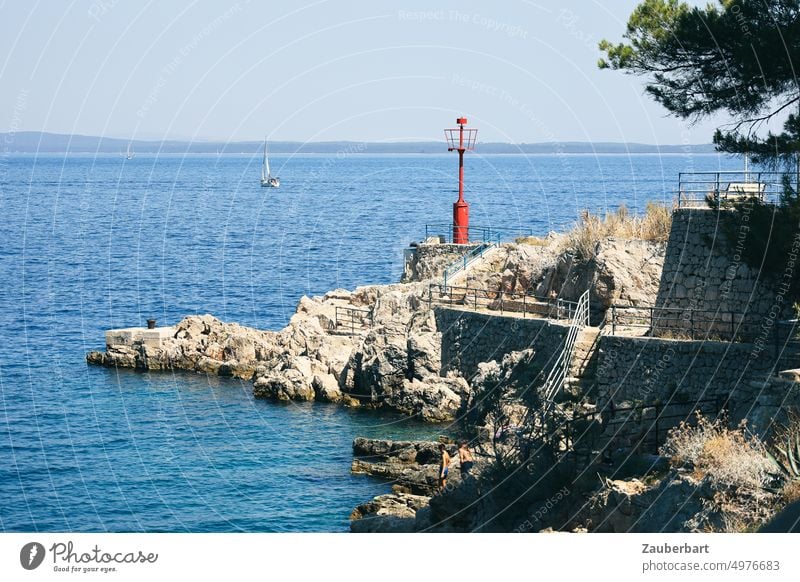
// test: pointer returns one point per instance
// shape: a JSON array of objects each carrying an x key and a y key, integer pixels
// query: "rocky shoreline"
[
  {"x": 391, "y": 356},
  {"x": 379, "y": 347},
  {"x": 392, "y": 362},
  {"x": 391, "y": 359}
]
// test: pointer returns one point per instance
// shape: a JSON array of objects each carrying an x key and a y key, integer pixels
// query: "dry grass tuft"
[
  {"x": 729, "y": 457},
  {"x": 734, "y": 463},
  {"x": 591, "y": 228},
  {"x": 791, "y": 491}
]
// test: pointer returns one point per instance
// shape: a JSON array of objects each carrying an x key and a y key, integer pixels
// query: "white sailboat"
[
  {"x": 129, "y": 155},
  {"x": 267, "y": 179}
]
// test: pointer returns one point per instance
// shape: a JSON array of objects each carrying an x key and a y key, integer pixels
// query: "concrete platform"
[{"x": 130, "y": 336}]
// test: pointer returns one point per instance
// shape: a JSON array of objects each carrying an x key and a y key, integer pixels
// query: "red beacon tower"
[{"x": 461, "y": 140}]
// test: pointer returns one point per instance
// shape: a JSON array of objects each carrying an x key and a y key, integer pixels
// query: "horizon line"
[{"x": 207, "y": 140}]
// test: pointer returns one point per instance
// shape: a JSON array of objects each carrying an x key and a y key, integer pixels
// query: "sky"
[{"x": 519, "y": 70}]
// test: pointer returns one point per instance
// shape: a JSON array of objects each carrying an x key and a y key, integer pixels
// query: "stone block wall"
[
  {"x": 428, "y": 260},
  {"x": 704, "y": 270},
  {"x": 649, "y": 370},
  {"x": 469, "y": 338}
]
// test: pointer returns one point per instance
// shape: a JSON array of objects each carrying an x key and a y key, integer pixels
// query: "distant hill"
[{"x": 34, "y": 141}]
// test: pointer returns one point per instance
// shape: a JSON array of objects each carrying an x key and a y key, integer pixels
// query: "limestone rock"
[
  {"x": 200, "y": 343},
  {"x": 424, "y": 354},
  {"x": 289, "y": 384},
  {"x": 413, "y": 464},
  {"x": 435, "y": 399},
  {"x": 671, "y": 505},
  {"x": 334, "y": 353},
  {"x": 326, "y": 388},
  {"x": 393, "y": 512},
  {"x": 379, "y": 367}
]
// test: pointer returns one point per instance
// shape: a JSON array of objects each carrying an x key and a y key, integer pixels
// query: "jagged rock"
[
  {"x": 397, "y": 362},
  {"x": 622, "y": 272},
  {"x": 424, "y": 354},
  {"x": 200, "y": 343},
  {"x": 303, "y": 336},
  {"x": 414, "y": 468},
  {"x": 326, "y": 388},
  {"x": 429, "y": 258},
  {"x": 379, "y": 367},
  {"x": 393, "y": 512},
  {"x": 413, "y": 464},
  {"x": 289, "y": 384},
  {"x": 334, "y": 353},
  {"x": 671, "y": 505},
  {"x": 435, "y": 399},
  {"x": 456, "y": 508}
]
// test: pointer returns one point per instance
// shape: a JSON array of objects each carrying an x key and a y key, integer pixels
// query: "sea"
[{"x": 94, "y": 242}]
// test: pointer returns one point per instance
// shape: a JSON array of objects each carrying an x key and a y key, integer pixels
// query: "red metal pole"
[{"x": 460, "y": 207}]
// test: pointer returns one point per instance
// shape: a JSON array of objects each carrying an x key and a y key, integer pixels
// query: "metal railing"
[
  {"x": 640, "y": 426},
  {"x": 352, "y": 320},
  {"x": 465, "y": 261},
  {"x": 558, "y": 373},
  {"x": 696, "y": 189},
  {"x": 476, "y": 233},
  {"x": 502, "y": 301},
  {"x": 681, "y": 323}
]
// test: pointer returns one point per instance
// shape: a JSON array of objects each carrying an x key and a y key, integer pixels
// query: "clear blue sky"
[{"x": 522, "y": 71}]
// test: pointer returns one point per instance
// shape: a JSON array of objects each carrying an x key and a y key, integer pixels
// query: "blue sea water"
[{"x": 90, "y": 243}]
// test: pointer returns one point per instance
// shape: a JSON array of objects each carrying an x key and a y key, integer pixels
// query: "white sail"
[{"x": 267, "y": 179}]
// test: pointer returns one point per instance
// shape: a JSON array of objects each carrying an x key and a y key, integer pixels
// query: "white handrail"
[{"x": 558, "y": 373}]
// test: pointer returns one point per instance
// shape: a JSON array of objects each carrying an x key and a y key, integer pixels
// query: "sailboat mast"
[{"x": 266, "y": 175}]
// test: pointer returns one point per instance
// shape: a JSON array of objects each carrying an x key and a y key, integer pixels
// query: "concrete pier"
[{"x": 131, "y": 336}]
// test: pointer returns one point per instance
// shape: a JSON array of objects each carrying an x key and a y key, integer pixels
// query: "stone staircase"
[
  {"x": 580, "y": 380},
  {"x": 580, "y": 383}
]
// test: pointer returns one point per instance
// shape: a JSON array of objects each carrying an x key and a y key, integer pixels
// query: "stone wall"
[
  {"x": 427, "y": 260},
  {"x": 649, "y": 370},
  {"x": 704, "y": 270},
  {"x": 470, "y": 337}
]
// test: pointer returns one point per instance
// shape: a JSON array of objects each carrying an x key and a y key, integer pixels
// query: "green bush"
[{"x": 767, "y": 236}]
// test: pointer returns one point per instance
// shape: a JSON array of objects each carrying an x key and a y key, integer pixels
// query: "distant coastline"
[{"x": 41, "y": 142}]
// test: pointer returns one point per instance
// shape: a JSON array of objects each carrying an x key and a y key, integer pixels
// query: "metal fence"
[
  {"x": 696, "y": 189},
  {"x": 352, "y": 320},
  {"x": 503, "y": 301},
  {"x": 476, "y": 233}
]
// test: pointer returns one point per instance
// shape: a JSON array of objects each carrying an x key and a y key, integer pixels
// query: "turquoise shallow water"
[{"x": 91, "y": 243}]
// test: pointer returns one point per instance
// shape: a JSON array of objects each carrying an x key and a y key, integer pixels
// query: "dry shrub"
[
  {"x": 592, "y": 228},
  {"x": 729, "y": 457},
  {"x": 791, "y": 492},
  {"x": 735, "y": 465}
]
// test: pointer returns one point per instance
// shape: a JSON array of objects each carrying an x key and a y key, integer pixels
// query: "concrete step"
[
  {"x": 584, "y": 344},
  {"x": 793, "y": 375}
]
